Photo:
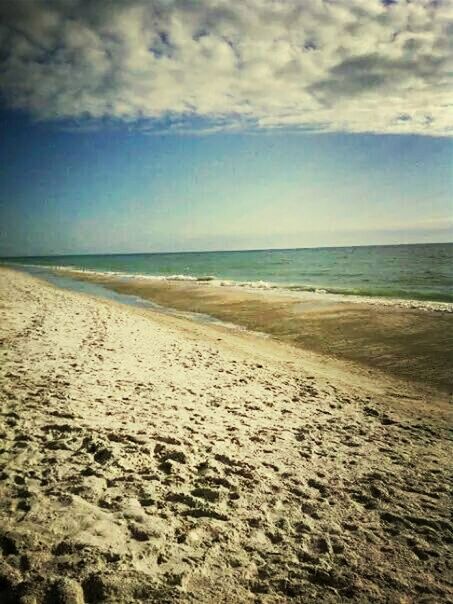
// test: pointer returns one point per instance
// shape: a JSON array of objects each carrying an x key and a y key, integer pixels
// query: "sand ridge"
[{"x": 139, "y": 464}]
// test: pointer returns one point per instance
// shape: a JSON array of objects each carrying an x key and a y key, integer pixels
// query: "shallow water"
[
  {"x": 411, "y": 272},
  {"x": 98, "y": 290}
]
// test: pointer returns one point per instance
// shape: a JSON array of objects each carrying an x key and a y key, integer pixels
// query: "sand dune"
[{"x": 148, "y": 459}]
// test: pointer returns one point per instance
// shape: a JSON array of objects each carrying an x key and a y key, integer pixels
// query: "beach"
[
  {"x": 149, "y": 458},
  {"x": 408, "y": 339}
]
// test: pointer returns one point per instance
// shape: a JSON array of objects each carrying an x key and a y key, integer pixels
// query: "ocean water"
[{"x": 421, "y": 272}]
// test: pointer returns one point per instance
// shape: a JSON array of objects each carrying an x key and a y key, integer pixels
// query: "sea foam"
[{"x": 297, "y": 291}]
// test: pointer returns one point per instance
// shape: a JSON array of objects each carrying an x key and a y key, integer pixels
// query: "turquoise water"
[{"x": 413, "y": 272}]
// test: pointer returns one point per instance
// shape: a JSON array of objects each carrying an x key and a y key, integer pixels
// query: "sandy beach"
[
  {"x": 146, "y": 458},
  {"x": 408, "y": 339}
]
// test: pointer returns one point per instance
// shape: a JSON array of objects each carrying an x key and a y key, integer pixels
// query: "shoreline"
[
  {"x": 150, "y": 458},
  {"x": 350, "y": 374},
  {"x": 394, "y": 389},
  {"x": 303, "y": 293},
  {"x": 408, "y": 343}
]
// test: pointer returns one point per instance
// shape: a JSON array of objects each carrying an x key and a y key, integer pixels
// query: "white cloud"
[{"x": 344, "y": 65}]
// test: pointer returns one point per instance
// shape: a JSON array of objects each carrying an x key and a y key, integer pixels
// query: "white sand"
[{"x": 149, "y": 459}]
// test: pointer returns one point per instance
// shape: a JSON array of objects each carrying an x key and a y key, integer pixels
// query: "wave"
[{"x": 408, "y": 299}]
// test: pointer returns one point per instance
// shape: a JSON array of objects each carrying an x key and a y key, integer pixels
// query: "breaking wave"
[{"x": 419, "y": 301}]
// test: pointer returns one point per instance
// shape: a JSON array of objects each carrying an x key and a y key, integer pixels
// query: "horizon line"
[{"x": 270, "y": 249}]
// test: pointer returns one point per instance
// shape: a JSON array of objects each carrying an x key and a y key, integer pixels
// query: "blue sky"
[
  {"x": 102, "y": 171},
  {"x": 118, "y": 191}
]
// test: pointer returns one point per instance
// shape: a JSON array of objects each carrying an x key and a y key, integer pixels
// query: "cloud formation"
[{"x": 330, "y": 65}]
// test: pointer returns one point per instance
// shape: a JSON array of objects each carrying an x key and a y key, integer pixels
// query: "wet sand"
[
  {"x": 413, "y": 344},
  {"x": 146, "y": 458}
]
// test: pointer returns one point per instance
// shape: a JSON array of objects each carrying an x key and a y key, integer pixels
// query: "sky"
[{"x": 177, "y": 125}]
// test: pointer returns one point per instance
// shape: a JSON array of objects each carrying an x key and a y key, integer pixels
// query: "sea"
[{"x": 418, "y": 272}]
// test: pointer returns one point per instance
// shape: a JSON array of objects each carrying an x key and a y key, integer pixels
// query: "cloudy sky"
[{"x": 184, "y": 124}]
